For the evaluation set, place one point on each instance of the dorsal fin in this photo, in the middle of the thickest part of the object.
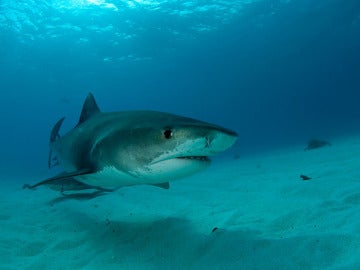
(89, 109)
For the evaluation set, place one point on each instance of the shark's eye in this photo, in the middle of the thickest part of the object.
(168, 133)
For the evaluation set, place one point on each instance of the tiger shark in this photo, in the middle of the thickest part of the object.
(105, 151)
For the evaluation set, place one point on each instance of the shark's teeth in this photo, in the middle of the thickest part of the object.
(202, 158)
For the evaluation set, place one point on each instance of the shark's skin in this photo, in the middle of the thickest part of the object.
(116, 149)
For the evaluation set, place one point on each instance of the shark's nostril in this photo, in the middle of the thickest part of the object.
(207, 142)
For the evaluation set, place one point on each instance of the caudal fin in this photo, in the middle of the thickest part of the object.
(54, 135)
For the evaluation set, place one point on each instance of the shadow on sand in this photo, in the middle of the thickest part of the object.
(173, 243)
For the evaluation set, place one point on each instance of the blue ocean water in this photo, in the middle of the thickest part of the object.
(279, 72)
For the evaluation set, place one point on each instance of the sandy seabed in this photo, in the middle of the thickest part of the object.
(254, 212)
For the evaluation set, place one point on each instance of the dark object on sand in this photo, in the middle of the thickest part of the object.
(305, 177)
(313, 144)
(214, 229)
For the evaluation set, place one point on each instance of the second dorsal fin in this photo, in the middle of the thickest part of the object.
(89, 109)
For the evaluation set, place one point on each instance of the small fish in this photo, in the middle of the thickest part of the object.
(313, 144)
(305, 177)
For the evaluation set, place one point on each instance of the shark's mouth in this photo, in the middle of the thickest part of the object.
(199, 158)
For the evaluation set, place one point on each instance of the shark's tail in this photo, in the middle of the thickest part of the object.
(54, 135)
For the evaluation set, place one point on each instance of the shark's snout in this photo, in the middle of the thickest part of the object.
(220, 140)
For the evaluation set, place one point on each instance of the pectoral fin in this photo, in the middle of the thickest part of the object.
(58, 178)
(165, 185)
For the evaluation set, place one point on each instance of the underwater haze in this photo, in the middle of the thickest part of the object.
(278, 72)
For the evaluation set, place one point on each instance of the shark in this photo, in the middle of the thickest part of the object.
(109, 150)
